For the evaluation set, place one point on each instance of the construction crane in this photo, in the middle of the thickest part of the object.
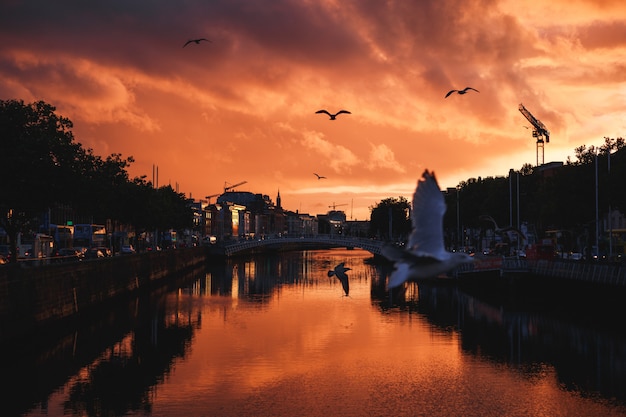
(232, 187)
(209, 197)
(336, 205)
(539, 131)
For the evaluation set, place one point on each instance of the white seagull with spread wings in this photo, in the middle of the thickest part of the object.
(425, 256)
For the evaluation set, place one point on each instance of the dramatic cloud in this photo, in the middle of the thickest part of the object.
(242, 107)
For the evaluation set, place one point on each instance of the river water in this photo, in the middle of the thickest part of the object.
(276, 336)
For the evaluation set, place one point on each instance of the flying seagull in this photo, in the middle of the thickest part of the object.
(319, 177)
(340, 272)
(500, 230)
(425, 256)
(333, 116)
(196, 41)
(463, 91)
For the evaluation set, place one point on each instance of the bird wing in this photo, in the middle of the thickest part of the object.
(514, 230)
(342, 111)
(429, 206)
(470, 88)
(450, 92)
(346, 285)
(187, 43)
(399, 255)
(203, 39)
(323, 111)
(486, 218)
(340, 273)
(341, 276)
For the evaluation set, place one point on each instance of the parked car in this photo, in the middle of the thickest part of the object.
(106, 252)
(69, 254)
(95, 253)
(127, 249)
(5, 252)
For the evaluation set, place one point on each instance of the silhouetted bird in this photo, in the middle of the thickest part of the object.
(425, 256)
(340, 272)
(333, 116)
(499, 230)
(196, 41)
(319, 177)
(463, 91)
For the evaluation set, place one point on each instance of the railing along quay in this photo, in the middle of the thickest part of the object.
(591, 272)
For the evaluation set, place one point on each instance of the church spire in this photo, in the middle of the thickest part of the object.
(278, 200)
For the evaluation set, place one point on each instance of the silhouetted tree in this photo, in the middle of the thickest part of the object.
(394, 212)
(42, 165)
(38, 156)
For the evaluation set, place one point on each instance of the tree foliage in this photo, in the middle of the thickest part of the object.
(42, 166)
(556, 198)
(391, 215)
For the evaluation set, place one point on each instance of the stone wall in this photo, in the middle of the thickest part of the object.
(32, 297)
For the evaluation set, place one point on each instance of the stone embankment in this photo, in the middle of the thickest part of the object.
(33, 297)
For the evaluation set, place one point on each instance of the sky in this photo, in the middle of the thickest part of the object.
(241, 106)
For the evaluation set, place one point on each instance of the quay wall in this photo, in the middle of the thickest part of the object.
(591, 273)
(33, 297)
(604, 274)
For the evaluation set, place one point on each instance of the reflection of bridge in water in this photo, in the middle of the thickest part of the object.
(302, 243)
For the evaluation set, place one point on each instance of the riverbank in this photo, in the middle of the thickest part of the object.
(35, 297)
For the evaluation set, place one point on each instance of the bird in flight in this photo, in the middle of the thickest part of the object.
(319, 177)
(340, 272)
(333, 116)
(463, 91)
(500, 230)
(196, 41)
(425, 256)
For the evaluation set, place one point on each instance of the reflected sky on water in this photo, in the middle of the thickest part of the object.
(274, 335)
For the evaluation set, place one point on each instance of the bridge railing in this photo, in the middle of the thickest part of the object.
(370, 245)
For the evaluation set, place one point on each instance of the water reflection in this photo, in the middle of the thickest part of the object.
(271, 335)
(587, 357)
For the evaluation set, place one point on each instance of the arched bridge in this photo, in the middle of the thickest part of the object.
(302, 243)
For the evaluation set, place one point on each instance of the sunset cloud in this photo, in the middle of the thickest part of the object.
(337, 157)
(242, 107)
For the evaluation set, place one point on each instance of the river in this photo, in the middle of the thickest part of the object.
(276, 336)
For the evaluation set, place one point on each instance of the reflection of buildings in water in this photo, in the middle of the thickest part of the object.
(111, 361)
(257, 278)
(588, 356)
(124, 377)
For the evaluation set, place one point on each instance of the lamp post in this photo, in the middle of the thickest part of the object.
(608, 191)
(597, 221)
(458, 220)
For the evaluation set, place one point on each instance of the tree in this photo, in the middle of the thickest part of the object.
(44, 166)
(37, 159)
(391, 213)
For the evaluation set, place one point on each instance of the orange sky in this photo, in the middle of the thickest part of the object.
(242, 108)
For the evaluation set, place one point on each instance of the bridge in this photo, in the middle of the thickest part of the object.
(301, 243)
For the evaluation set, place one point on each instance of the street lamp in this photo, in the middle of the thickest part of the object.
(458, 219)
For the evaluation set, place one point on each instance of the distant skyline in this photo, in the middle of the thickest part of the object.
(242, 106)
